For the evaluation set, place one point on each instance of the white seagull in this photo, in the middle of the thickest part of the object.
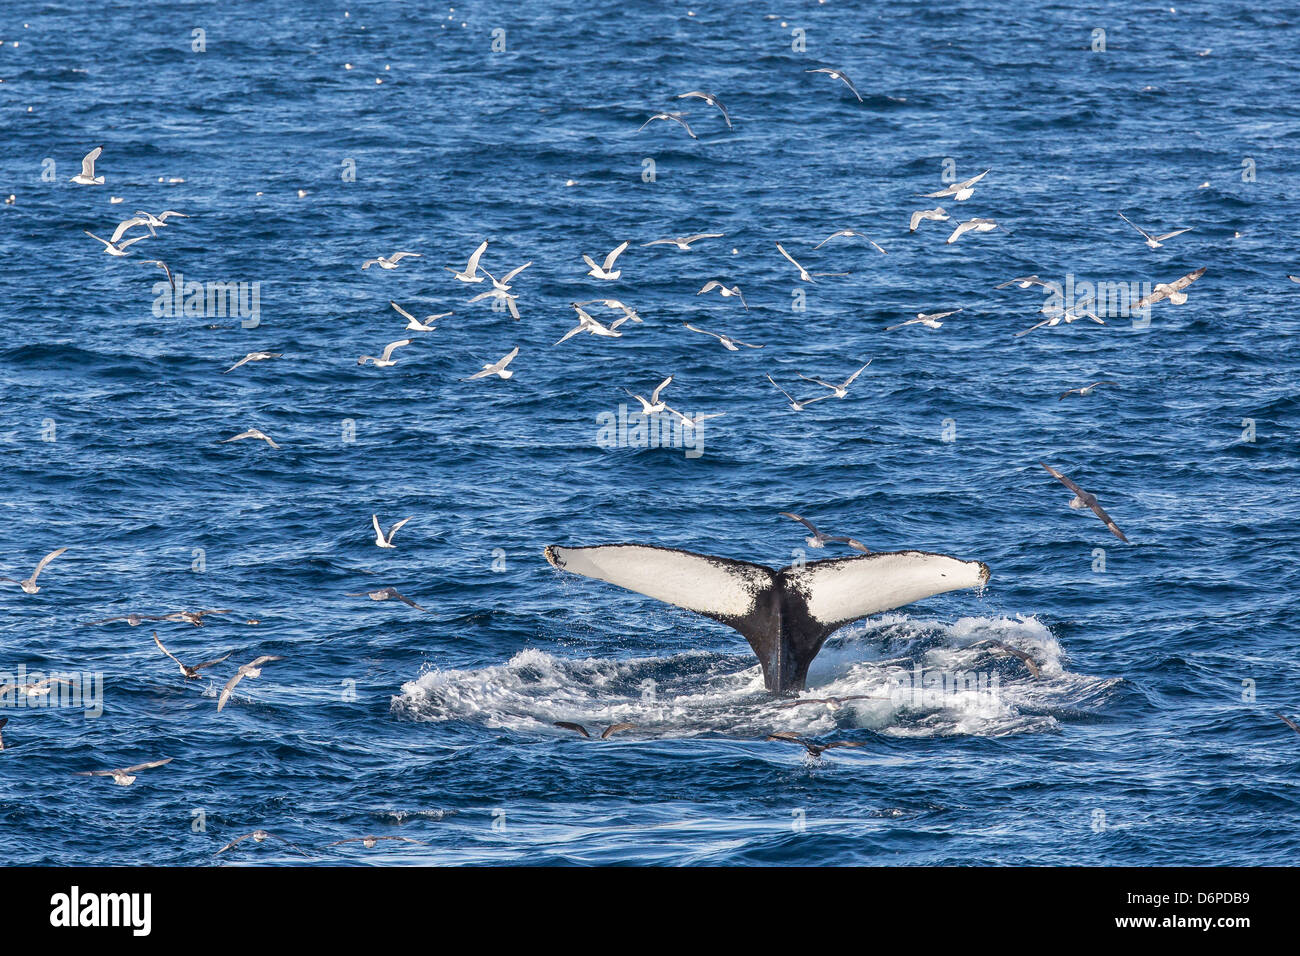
(1057, 317)
(470, 273)
(253, 357)
(837, 75)
(115, 248)
(804, 274)
(389, 262)
(675, 117)
(124, 776)
(839, 391)
(727, 341)
(958, 191)
(938, 214)
(684, 242)
(496, 368)
(251, 669)
(385, 360)
(1023, 282)
(1154, 242)
(603, 271)
(654, 405)
(848, 234)
(415, 325)
(930, 320)
(588, 324)
(251, 433)
(977, 225)
(711, 100)
(1085, 391)
(499, 295)
(29, 585)
(87, 175)
(386, 540)
(798, 406)
(725, 291)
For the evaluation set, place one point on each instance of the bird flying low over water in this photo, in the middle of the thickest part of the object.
(124, 776)
(1023, 282)
(470, 272)
(370, 842)
(1173, 291)
(653, 406)
(838, 75)
(804, 274)
(29, 585)
(1084, 499)
(725, 291)
(497, 368)
(971, 225)
(87, 175)
(840, 390)
(959, 191)
(604, 735)
(814, 749)
(929, 319)
(253, 357)
(673, 117)
(251, 433)
(818, 540)
(115, 248)
(385, 360)
(603, 271)
(251, 669)
(684, 242)
(385, 594)
(386, 540)
(416, 325)
(257, 836)
(848, 234)
(389, 262)
(190, 672)
(937, 214)
(711, 100)
(728, 343)
(1154, 242)
(786, 615)
(797, 405)
(1086, 390)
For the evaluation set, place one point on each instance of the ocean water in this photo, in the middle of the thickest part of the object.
(1149, 735)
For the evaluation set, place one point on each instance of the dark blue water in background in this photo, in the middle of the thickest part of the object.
(1150, 737)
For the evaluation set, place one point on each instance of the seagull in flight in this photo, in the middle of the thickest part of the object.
(839, 391)
(470, 273)
(135, 620)
(1084, 499)
(39, 688)
(689, 422)
(389, 262)
(814, 749)
(191, 673)
(654, 405)
(251, 669)
(684, 242)
(87, 175)
(386, 359)
(415, 325)
(251, 433)
(724, 291)
(124, 776)
(1023, 282)
(603, 271)
(1085, 391)
(370, 842)
(604, 735)
(161, 265)
(804, 274)
(115, 248)
(930, 320)
(588, 324)
(500, 295)
(675, 117)
(385, 594)
(798, 406)
(959, 191)
(497, 368)
(386, 540)
(629, 314)
(128, 224)
(848, 234)
(818, 540)
(1173, 291)
(711, 100)
(253, 357)
(29, 585)
(837, 75)
(1056, 318)
(937, 214)
(971, 225)
(257, 836)
(503, 284)
(1154, 242)
(727, 341)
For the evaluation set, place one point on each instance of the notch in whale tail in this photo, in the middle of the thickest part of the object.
(785, 615)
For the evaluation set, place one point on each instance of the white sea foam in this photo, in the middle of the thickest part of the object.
(978, 689)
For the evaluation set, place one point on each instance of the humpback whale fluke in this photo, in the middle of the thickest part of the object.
(785, 615)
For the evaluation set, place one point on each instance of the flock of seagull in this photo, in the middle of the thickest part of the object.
(142, 225)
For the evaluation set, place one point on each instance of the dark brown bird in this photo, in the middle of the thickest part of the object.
(385, 594)
(193, 617)
(815, 749)
(605, 734)
(1286, 720)
(837, 701)
(3, 721)
(190, 673)
(1084, 499)
(1017, 652)
(818, 540)
(135, 620)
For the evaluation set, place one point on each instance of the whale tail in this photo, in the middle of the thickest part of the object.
(785, 615)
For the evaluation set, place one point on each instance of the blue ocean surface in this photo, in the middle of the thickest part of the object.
(301, 139)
